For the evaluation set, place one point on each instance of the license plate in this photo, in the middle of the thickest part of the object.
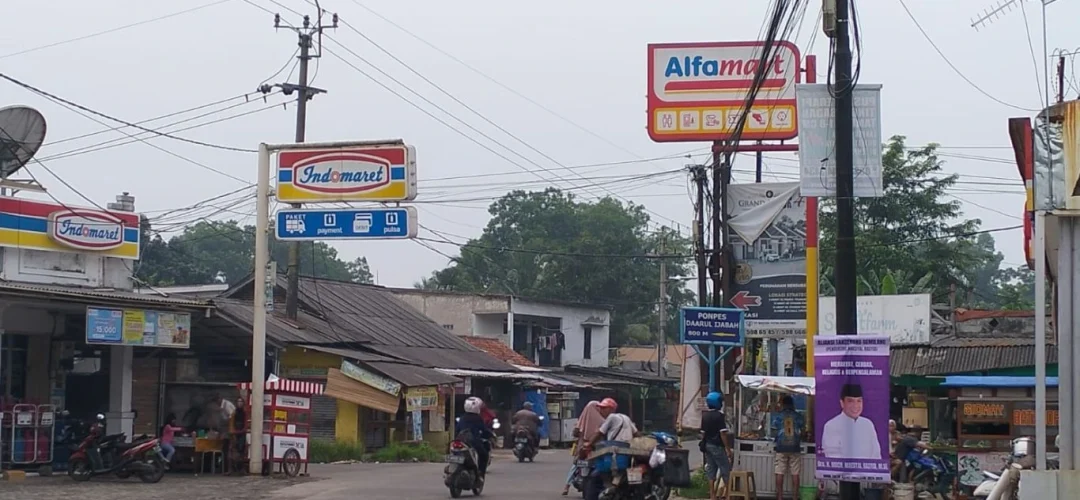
(521, 440)
(455, 459)
(633, 476)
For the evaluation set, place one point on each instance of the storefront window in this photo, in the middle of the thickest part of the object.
(14, 365)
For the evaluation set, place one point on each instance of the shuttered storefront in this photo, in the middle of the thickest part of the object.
(323, 416)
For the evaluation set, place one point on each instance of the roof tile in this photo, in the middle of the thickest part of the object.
(499, 350)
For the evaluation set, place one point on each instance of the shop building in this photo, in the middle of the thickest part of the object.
(547, 332)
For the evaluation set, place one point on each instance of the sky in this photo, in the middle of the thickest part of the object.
(558, 89)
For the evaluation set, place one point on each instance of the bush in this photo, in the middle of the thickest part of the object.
(699, 486)
(401, 452)
(325, 451)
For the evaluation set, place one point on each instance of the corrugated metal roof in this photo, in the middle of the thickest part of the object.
(411, 375)
(350, 353)
(936, 360)
(77, 292)
(617, 373)
(306, 330)
(490, 374)
(444, 357)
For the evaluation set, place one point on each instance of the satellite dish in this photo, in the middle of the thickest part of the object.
(22, 131)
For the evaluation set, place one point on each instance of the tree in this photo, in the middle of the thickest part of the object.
(208, 250)
(548, 245)
(911, 233)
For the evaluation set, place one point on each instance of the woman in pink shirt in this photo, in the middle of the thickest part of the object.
(168, 432)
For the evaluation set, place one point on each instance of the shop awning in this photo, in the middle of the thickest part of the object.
(486, 374)
(412, 375)
(285, 385)
(994, 381)
(344, 388)
(786, 385)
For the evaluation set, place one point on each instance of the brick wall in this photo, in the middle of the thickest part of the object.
(145, 388)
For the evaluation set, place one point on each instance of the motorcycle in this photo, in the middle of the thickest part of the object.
(523, 444)
(462, 470)
(99, 454)
(931, 474)
(636, 476)
(1007, 482)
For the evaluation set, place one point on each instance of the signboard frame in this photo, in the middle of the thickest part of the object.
(815, 175)
(137, 327)
(340, 216)
(736, 338)
(380, 171)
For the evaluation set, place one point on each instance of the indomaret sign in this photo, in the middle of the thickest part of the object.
(697, 91)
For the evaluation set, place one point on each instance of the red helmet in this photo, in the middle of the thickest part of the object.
(609, 404)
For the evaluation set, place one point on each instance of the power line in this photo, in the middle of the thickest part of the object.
(118, 120)
(113, 30)
(953, 66)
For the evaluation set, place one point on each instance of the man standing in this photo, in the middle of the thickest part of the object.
(715, 446)
(788, 427)
(849, 434)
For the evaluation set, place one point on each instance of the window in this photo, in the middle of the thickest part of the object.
(588, 343)
(448, 327)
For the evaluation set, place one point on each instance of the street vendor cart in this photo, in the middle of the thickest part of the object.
(757, 398)
(286, 425)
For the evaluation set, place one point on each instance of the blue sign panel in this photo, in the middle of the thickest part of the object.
(712, 325)
(104, 326)
(346, 224)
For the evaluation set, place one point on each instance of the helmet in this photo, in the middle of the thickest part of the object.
(473, 405)
(609, 404)
(714, 400)
(528, 405)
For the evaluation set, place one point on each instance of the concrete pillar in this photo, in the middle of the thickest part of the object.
(119, 418)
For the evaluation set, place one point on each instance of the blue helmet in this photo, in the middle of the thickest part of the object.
(714, 400)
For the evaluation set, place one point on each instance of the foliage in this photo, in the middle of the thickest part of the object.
(548, 245)
(324, 451)
(1014, 290)
(699, 486)
(223, 251)
(405, 452)
(912, 239)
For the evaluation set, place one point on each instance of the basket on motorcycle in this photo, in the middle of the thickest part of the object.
(612, 456)
(677, 467)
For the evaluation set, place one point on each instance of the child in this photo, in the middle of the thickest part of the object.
(168, 432)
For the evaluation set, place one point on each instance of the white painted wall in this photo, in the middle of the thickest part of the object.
(458, 310)
(62, 268)
(572, 318)
(490, 325)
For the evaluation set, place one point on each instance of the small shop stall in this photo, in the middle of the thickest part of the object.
(759, 396)
(286, 423)
(990, 412)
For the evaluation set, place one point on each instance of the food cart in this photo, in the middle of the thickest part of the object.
(286, 423)
(756, 398)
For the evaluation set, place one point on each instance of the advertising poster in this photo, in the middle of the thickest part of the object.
(851, 409)
(137, 327)
(421, 398)
(768, 240)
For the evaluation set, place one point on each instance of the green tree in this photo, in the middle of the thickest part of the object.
(210, 251)
(913, 233)
(1012, 288)
(548, 245)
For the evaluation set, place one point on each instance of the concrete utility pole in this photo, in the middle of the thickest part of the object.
(661, 340)
(846, 292)
(308, 35)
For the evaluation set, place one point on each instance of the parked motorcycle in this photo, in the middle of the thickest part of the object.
(931, 474)
(1007, 482)
(99, 454)
(524, 449)
(462, 470)
(639, 476)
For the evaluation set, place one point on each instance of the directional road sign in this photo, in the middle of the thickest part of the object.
(712, 325)
(347, 224)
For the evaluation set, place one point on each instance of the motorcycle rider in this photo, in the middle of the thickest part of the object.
(909, 442)
(527, 419)
(472, 421)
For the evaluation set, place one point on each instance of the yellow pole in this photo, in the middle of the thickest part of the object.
(811, 281)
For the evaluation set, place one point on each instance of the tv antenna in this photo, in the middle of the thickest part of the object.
(1003, 7)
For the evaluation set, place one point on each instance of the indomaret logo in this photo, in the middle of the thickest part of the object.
(86, 230)
(341, 173)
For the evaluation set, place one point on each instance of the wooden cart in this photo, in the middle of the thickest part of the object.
(286, 425)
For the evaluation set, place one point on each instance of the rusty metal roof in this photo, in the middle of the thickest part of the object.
(945, 360)
(307, 329)
(86, 294)
(411, 375)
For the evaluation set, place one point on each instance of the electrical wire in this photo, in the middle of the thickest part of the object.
(112, 30)
(118, 120)
(953, 66)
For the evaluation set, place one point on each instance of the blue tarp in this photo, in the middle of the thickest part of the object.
(994, 381)
(539, 401)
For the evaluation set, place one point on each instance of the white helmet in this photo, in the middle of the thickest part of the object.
(473, 405)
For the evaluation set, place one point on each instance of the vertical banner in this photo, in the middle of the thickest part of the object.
(769, 222)
(851, 408)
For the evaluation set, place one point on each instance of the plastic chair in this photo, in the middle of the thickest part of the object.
(742, 485)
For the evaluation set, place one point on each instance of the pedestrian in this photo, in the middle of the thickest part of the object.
(168, 435)
(236, 443)
(714, 444)
(587, 425)
(788, 426)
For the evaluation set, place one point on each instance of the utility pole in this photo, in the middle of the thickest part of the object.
(846, 294)
(309, 36)
(661, 340)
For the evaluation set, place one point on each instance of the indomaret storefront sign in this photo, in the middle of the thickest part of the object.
(51, 227)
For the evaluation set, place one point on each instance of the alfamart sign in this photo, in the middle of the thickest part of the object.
(51, 227)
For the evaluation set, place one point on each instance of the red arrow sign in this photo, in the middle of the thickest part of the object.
(743, 300)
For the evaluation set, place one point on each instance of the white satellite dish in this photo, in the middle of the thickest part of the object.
(22, 131)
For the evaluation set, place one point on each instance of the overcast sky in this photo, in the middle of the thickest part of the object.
(585, 61)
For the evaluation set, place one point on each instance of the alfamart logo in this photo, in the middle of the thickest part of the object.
(86, 230)
(341, 173)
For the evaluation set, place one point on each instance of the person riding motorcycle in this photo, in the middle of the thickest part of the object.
(528, 420)
(481, 438)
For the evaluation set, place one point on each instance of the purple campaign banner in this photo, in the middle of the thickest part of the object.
(851, 408)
